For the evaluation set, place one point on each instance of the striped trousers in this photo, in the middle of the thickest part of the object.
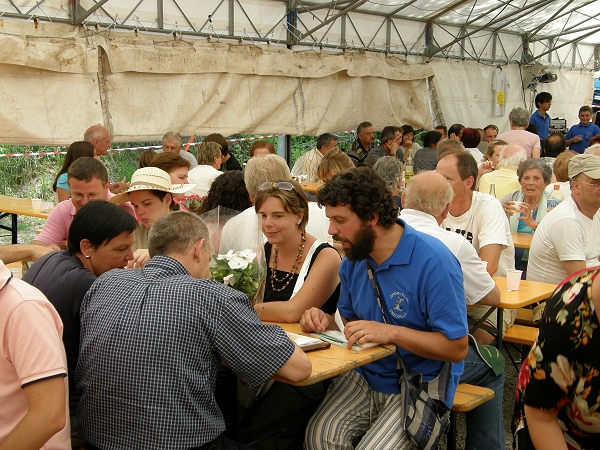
(352, 415)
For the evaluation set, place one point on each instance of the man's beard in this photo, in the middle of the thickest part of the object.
(363, 244)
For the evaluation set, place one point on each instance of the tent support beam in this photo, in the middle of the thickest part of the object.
(78, 19)
(345, 11)
(499, 19)
(572, 41)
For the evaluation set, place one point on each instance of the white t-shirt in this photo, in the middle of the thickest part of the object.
(203, 177)
(565, 234)
(483, 224)
(243, 228)
(478, 283)
(476, 154)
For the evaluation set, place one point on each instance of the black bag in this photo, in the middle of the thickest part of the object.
(426, 417)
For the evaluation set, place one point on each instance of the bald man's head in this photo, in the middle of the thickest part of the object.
(100, 137)
(428, 192)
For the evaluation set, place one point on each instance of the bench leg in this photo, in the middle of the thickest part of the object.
(451, 437)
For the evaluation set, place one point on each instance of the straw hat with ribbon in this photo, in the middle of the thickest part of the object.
(151, 179)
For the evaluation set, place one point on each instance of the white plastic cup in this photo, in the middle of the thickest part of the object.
(17, 273)
(513, 279)
(46, 207)
(36, 204)
(517, 207)
(484, 263)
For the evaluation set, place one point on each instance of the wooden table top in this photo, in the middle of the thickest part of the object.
(22, 206)
(529, 292)
(311, 188)
(333, 361)
(522, 240)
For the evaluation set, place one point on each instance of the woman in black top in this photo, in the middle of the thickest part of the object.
(302, 272)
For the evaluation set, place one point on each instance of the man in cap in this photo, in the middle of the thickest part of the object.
(568, 239)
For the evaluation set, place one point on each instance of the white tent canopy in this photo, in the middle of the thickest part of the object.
(142, 67)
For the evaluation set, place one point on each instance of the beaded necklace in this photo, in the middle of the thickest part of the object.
(290, 275)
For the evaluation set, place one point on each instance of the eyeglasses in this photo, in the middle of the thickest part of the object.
(283, 185)
(91, 197)
(596, 184)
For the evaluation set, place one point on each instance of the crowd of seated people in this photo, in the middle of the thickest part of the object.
(121, 282)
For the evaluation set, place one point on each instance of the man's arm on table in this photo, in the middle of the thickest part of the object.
(45, 415)
(298, 367)
(18, 252)
(491, 254)
(427, 344)
(492, 298)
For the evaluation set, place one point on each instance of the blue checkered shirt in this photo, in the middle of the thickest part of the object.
(152, 341)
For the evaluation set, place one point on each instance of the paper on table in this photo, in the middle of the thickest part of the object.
(337, 338)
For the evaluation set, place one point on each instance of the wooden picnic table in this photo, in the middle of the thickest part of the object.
(14, 206)
(522, 240)
(335, 360)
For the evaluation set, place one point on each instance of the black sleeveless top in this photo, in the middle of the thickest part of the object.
(272, 296)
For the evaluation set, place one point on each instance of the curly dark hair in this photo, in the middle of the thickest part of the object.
(364, 191)
(228, 190)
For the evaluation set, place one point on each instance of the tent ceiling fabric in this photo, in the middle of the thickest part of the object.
(53, 88)
(142, 67)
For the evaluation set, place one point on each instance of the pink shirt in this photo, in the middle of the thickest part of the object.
(56, 228)
(525, 139)
(31, 350)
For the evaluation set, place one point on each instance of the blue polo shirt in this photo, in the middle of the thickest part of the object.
(586, 131)
(422, 287)
(542, 124)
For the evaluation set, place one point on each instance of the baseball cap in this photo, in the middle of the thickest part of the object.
(587, 164)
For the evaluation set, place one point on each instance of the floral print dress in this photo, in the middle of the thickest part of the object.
(562, 370)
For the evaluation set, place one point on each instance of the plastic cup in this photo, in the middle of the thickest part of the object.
(17, 273)
(484, 263)
(513, 280)
(36, 204)
(46, 207)
(517, 206)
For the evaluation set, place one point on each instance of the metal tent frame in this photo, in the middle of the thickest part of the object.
(559, 33)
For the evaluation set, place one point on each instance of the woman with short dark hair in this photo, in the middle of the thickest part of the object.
(100, 239)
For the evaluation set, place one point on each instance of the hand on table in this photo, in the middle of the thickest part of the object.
(140, 257)
(314, 321)
(363, 331)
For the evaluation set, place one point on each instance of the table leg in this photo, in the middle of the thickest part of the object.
(500, 327)
(15, 229)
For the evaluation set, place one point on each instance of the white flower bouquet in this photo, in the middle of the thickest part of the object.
(239, 261)
(239, 270)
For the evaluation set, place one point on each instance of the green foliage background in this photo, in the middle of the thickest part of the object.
(33, 176)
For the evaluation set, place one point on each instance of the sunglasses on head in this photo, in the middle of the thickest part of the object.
(283, 185)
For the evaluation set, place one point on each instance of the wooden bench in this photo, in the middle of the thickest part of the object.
(467, 398)
(521, 334)
(525, 317)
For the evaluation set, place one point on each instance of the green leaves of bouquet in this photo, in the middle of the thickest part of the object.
(237, 269)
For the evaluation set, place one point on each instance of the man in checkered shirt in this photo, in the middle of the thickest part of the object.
(153, 339)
